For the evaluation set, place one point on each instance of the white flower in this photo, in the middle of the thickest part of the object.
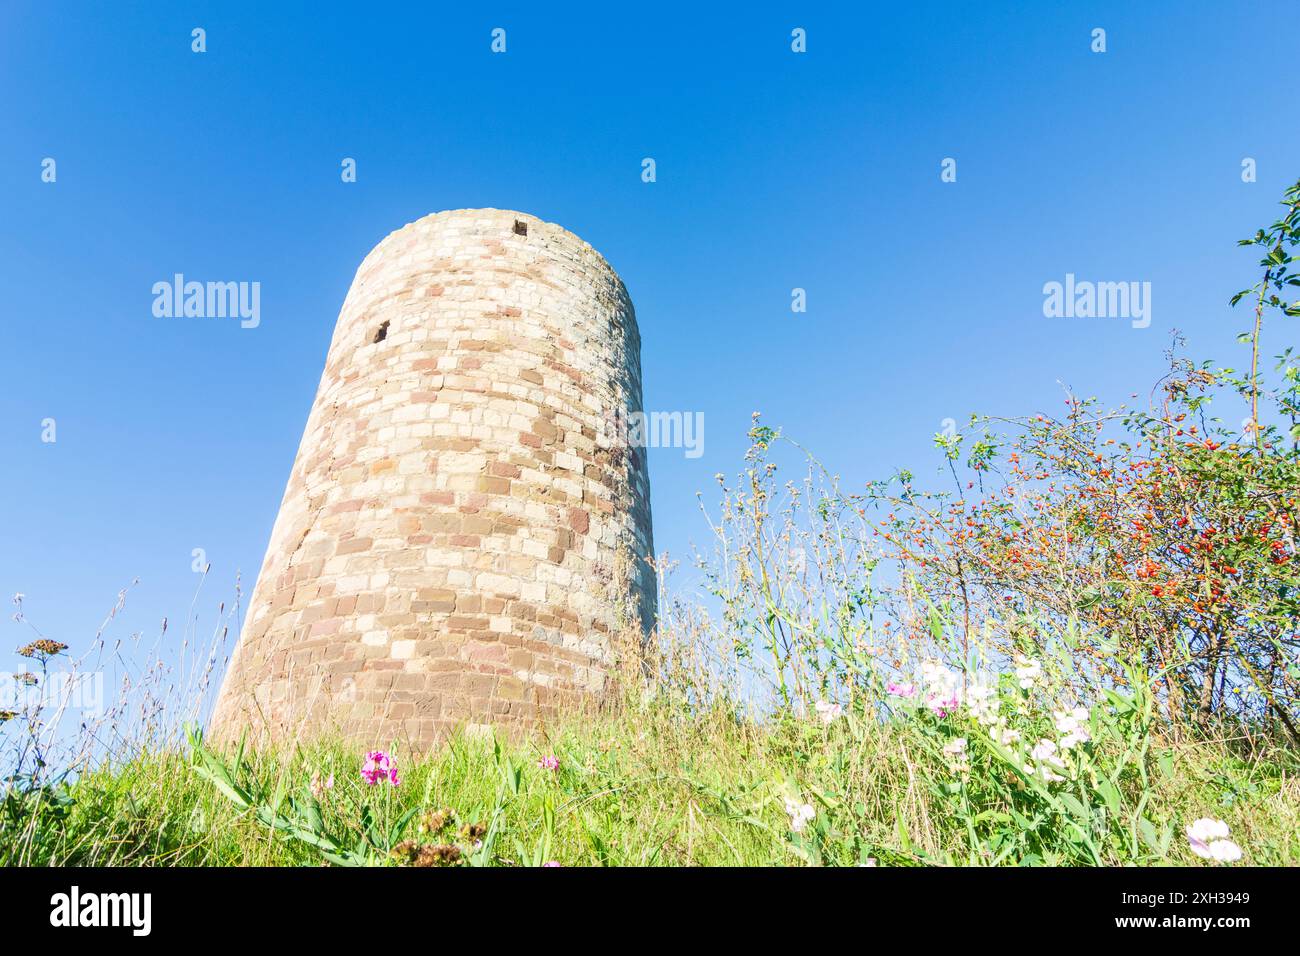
(1208, 839)
(1042, 770)
(1225, 851)
(942, 687)
(827, 711)
(1206, 829)
(1044, 750)
(1045, 753)
(800, 814)
(982, 702)
(1027, 671)
(1004, 735)
(1072, 723)
(18, 598)
(955, 750)
(1045, 772)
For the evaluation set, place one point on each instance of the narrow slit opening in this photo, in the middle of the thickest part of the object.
(381, 333)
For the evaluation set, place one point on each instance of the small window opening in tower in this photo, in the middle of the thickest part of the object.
(381, 333)
(521, 228)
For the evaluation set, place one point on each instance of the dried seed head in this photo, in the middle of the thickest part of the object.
(42, 648)
(405, 852)
(434, 821)
(443, 854)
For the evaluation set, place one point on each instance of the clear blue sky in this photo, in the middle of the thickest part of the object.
(775, 170)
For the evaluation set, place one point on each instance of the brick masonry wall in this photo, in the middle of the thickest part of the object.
(451, 544)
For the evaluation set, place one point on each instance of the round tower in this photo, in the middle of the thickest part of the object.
(463, 533)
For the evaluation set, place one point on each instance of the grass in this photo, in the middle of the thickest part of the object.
(645, 787)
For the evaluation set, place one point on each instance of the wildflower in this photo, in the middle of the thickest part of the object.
(871, 861)
(1209, 839)
(549, 763)
(1048, 762)
(319, 786)
(955, 751)
(1045, 750)
(18, 598)
(982, 702)
(942, 694)
(42, 649)
(378, 765)
(900, 690)
(1225, 851)
(550, 863)
(7, 715)
(1047, 773)
(27, 679)
(1073, 725)
(800, 814)
(473, 832)
(1027, 671)
(943, 706)
(828, 712)
(1004, 735)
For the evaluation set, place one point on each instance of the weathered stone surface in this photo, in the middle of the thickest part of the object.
(450, 541)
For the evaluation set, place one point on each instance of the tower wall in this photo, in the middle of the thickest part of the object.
(462, 533)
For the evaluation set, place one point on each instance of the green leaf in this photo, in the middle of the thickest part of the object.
(1149, 835)
(1075, 806)
(1166, 764)
(1110, 794)
(395, 833)
(311, 810)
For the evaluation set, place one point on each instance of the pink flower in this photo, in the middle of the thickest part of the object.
(550, 863)
(900, 690)
(942, 707)
(549, 763)
(378, 765)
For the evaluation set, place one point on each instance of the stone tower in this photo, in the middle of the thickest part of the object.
(463, 533)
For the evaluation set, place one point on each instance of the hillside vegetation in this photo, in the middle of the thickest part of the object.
(1081, 647)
